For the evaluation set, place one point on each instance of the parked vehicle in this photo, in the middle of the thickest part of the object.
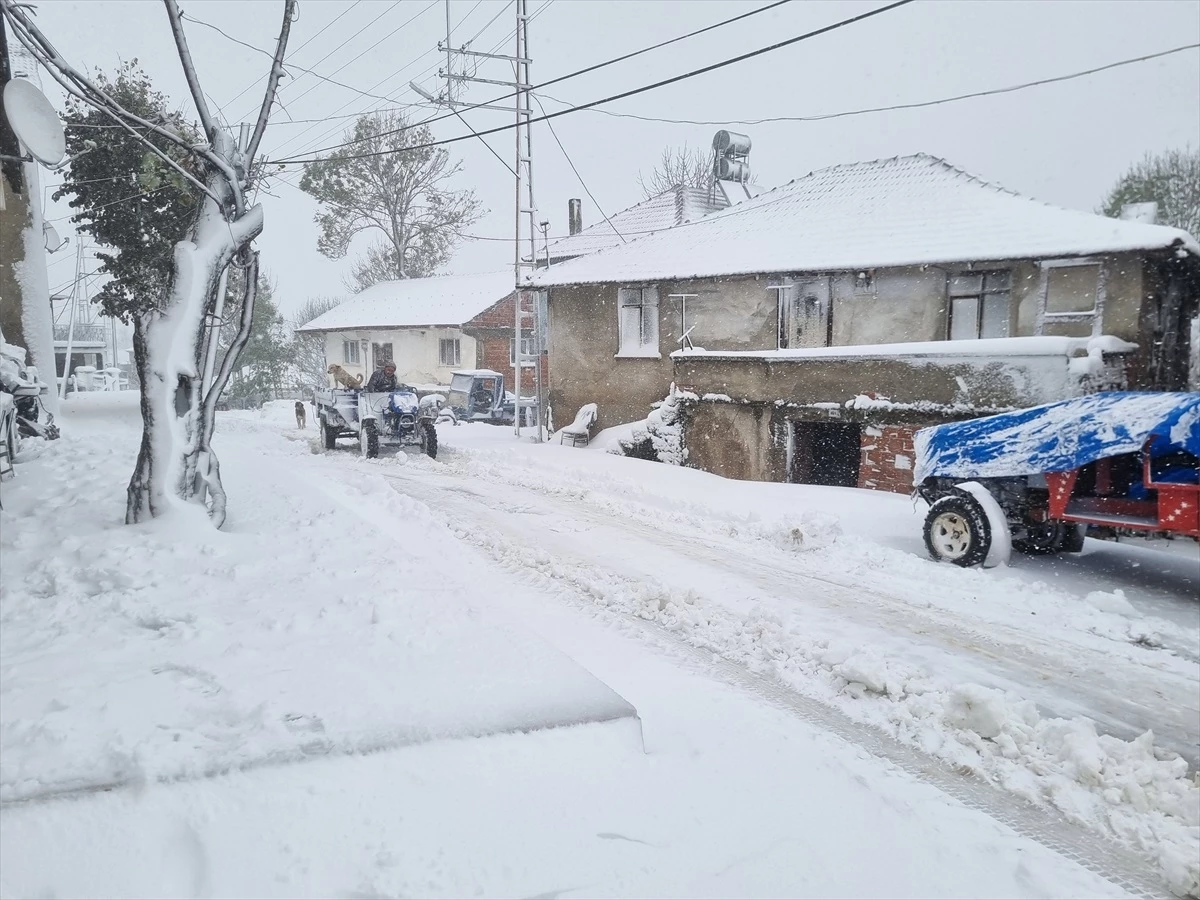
(396, 419)
(478, 395)
(1117, 463)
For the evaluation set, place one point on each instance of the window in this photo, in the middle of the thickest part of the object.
(1072, 289)
(979, 304)
(381, 353)
(528, 348)
(350, 353)
(803, 313)
(449, 351)
(638, 322)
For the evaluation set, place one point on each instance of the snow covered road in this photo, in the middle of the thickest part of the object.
(1139, 692)
(820, 717)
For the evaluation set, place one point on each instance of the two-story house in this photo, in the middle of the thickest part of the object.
(813, 328)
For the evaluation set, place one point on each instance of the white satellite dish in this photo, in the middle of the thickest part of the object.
(35, 122)
(53, 241)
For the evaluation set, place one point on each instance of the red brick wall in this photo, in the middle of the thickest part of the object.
(492, 353)
(492, 348)
(887, 458)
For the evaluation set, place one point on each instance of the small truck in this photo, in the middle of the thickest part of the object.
(393, 419)
(1115, 463)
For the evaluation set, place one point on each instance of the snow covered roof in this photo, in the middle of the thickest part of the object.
(908, 210)
(670, 208)
(416, 302)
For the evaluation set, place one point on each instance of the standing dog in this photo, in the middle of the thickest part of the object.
(342, 377)
(299, 413)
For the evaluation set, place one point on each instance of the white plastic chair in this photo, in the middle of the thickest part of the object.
(577, 431)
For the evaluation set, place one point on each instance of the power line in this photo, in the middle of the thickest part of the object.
(402, 25)
(407, 65)
(639, 90)
(570, 163)
(618, 59)
(898, 106)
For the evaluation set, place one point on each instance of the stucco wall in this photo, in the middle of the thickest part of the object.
(901, 305)
(414, 350)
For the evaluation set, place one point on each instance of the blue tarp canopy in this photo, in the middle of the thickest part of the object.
(1059, 436)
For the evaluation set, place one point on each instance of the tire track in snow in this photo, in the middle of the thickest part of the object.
(1095, 853)
(1064, 682)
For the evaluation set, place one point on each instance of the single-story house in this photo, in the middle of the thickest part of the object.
(812, 329)
(492, 329)
(417, 322)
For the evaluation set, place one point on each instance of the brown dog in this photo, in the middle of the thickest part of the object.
(299, 414)
(342, 377)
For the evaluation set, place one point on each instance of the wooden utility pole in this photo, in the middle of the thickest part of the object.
(14, 211)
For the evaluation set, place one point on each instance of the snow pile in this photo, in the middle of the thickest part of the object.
(661, 431)
(1113, 602)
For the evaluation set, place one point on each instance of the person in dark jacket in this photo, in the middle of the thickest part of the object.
(383, 380)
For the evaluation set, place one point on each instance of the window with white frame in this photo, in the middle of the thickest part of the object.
(528, 349)
(979, 305)
(449, 350)
(638, 321)
(350, 355)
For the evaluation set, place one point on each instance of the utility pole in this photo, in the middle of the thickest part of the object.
(525, 208)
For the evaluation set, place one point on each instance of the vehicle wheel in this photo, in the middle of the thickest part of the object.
(1072, 541)
(329, 433)
(957, 531)
(429, 439)
(369, 438)
(1041, 538)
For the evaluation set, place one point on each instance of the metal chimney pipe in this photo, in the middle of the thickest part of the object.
(574, 216)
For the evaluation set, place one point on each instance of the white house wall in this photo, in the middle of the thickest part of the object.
(416, 352)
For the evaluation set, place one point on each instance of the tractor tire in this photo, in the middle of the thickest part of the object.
(429, 439)
(329, 433)
(370, 439)
(957, 530)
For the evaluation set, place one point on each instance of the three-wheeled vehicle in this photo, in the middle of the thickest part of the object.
(396, 419)
(1114, 463)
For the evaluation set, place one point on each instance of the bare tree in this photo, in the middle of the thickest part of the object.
(309, 349)
(677, 166)
(176, 464)
(386, 182)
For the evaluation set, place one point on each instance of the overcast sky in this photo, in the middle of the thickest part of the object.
(1064, 143)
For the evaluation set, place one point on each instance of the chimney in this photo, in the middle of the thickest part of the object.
(574, 216)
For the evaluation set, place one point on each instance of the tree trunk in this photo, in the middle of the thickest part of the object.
(175, 462)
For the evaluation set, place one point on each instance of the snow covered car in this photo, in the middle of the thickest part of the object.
(1120, 462)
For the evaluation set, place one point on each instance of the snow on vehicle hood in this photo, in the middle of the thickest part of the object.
(1059, 436)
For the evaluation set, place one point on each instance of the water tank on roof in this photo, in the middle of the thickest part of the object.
(732, 170)
(730, 143)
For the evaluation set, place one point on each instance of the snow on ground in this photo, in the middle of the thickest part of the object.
(330, 614)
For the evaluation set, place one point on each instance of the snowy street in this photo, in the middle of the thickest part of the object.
(322, 699)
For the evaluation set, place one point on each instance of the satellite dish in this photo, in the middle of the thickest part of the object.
(53, 241)
(35, 122)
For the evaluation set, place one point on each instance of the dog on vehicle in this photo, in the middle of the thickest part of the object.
(342, 377)
(299, 413)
